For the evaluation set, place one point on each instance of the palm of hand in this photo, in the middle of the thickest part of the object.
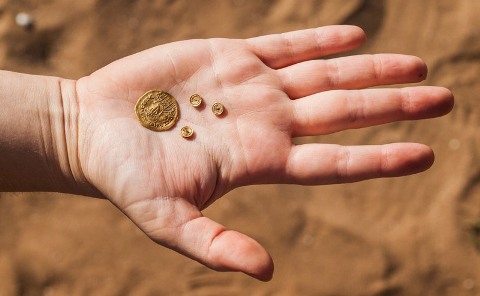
(162, 181)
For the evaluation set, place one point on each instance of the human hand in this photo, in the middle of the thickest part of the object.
(272, 91)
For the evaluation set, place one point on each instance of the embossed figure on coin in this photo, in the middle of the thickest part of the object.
(217, 108)
(195, 100)
(186, 132)
(157, 110)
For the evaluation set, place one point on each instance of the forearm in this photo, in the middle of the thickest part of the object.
(38, 135)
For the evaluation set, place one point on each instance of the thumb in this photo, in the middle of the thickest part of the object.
(224, 250)
(188, 232)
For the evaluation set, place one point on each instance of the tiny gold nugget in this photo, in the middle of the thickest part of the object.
(217, 108)
(196, 100)
(157, 110)
(186, 132)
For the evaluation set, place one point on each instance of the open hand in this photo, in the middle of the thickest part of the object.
(272, 90)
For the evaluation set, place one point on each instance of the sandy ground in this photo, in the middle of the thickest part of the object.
(417, 235)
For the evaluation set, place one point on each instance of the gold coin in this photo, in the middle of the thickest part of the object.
(195, 100)
(186, 132)
(157, 110)
(217, 108)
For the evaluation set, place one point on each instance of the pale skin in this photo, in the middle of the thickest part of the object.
(83, 137)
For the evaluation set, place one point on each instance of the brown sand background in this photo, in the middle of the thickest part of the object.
(417, 235)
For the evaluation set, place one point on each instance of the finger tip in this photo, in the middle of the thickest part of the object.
(264, 268)
(358, 34)
(256, 262)
(420, 68)
(412, 68)
(349, 36)
(409, 158)
(431, 101)
(355, 29)
(426, 157)
(443, 101)
(238, 252)
(420, 158)
(447, 100)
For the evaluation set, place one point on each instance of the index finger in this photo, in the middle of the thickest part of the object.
(285, 49)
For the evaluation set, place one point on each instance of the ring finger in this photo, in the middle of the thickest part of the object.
(333, 111)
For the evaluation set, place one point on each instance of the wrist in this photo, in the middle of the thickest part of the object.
(66, 137)
(38, 135)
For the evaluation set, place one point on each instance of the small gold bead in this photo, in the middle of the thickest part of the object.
(186, 132)
(196, 100)
(217, 108)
